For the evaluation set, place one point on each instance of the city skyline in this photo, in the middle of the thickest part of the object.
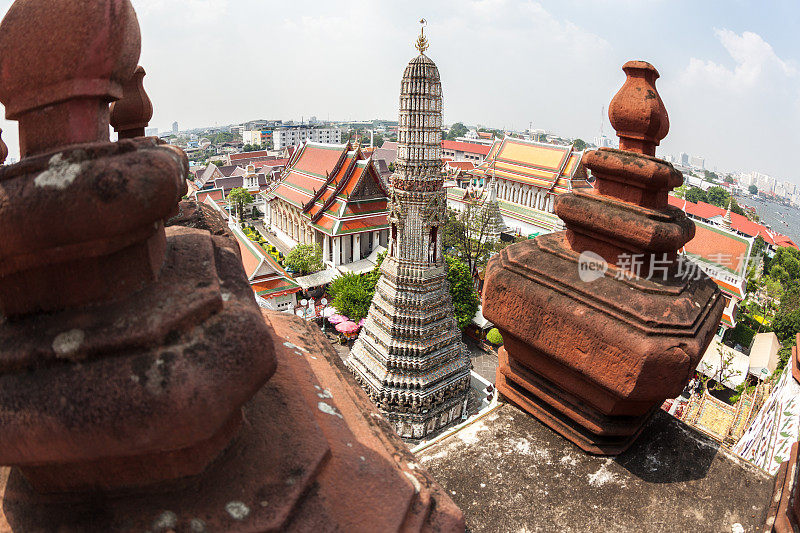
(728, 70)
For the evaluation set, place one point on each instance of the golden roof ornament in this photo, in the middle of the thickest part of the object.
(422, 42)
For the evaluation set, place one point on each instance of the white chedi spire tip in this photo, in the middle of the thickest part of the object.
(422, 41)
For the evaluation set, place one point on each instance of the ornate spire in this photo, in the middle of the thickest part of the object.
(726, 221)
(422, 41)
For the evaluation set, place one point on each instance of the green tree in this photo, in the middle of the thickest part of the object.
(494, 336)
(718, 196)
(466, 236)
(462, 291)
(238, 199)
(695, 195)
(218, 163)
(457, 130)
(786, 323)
(759, 245)
(352, 295)
(680, 192)
(305, 259)
(711, 176)
(753, 189)
(579, 145)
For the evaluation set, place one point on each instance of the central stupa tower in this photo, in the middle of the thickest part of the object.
(409, 357)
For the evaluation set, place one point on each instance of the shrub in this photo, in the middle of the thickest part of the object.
(494, 336)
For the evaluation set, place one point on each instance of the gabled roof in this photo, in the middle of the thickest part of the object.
(553, 167)
(336, 187)
(216, 194)
(268, 279)
(460, 146)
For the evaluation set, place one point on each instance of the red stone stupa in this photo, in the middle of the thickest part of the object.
(141, 387)
(603, 321)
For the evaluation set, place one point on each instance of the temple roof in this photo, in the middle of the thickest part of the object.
(553, 167)
(337, 188)
(739, 223)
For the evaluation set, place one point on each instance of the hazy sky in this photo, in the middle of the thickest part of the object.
(729, 68)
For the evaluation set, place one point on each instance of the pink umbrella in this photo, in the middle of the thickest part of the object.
(347, 327)
(336, 319)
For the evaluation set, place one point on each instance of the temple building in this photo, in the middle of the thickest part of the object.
(724, 255)
(409, 357)
(529, 176)
(331, 195)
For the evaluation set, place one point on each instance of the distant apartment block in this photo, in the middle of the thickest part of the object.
(698, 162)
(257, 137)
(283, 137)
(151, 132)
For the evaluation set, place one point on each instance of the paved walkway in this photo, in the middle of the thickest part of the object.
(271, 238)
(484, 364)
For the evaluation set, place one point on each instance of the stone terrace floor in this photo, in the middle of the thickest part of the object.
(508, 472)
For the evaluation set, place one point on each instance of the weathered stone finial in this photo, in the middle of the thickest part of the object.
(131, 115)
(60, 93)
(3, 149)
(96, 295)
(637, 112)
(604, 321)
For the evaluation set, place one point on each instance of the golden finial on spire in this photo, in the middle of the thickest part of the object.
(422, 42)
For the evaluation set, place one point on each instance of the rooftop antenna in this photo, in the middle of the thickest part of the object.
(602, 119)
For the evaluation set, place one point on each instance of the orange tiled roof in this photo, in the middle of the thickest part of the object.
(331, 197)
(552, 167)
(720, 247)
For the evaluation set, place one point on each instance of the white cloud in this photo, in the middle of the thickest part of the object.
(740, 114)
(754, 58)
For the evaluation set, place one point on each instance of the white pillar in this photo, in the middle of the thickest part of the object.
(326, 247)
(357, 251)
(337, 251)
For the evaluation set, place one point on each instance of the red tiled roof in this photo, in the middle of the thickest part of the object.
(272, 288)
(317, 159)
(740, 223)
(460, 165)
(472, 148)
(214, 194)
(360, 224)
(249, 155)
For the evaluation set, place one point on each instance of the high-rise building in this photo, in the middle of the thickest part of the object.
(698, 162)
(409, 357)
(683, 159)
(175, 129)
